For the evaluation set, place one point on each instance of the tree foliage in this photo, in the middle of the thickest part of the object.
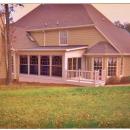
(125, 26)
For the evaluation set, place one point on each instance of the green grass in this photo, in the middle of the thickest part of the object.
(64, 107)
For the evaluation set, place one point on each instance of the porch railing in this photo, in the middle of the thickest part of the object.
(81, 75)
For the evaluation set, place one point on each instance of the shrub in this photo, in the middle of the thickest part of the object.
(125, 79)
(113, 80)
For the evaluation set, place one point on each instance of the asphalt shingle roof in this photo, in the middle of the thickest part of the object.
(67, 15)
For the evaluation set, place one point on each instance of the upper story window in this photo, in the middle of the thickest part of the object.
(63, 37)
(112, 65)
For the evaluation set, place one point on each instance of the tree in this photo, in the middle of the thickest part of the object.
(125, 26)
(7, 9)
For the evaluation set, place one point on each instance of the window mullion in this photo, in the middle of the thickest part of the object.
(28, 59)
(50, 58)
(39, 64)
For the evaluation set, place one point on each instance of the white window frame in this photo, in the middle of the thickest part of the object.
(60, 37)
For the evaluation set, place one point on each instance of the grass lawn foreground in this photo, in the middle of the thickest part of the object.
(64, 107)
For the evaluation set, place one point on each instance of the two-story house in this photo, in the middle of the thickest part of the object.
(68, 43)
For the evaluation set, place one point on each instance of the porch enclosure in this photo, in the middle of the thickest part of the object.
(61, 68)
(79, 71)
(41, 65)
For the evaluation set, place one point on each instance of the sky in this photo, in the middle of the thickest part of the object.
(113, 12)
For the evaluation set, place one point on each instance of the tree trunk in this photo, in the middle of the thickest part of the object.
(8, 45)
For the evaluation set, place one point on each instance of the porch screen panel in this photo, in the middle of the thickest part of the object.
(74, 63)
(98, 65)
(34, 65)
(44, 65)
(23, 64)
(79, 63)
(57, 66)
(112, 64)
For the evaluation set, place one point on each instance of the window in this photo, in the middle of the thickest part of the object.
(74, 63)
(112, 64)
(63, 37)
(44, 65)
(34, 65)
(23, 64)
(98, 65)
(57, 66)
(12, 64)
(121, 69)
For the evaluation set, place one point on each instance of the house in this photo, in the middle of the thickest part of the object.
(68, 43)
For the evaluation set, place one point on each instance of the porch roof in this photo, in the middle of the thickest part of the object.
(54, 48)
(102, 47)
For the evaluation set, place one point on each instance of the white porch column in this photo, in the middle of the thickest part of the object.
(50, 59)
(64, 66)
(14, 65)
(28, 57)
(83, 63)
(39, 64)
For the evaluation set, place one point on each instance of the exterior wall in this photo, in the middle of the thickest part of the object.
(2, 57)
(89, 64)
(84, 36)
(126, 66)
(76, 36)
(52, 38)
(39, 37)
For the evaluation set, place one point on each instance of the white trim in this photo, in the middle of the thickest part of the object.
(44, 29)
(50, 61)
(44, 39)
(28, 58)
(102, 54)
(107, 39)
(78, 48)
(60, 49)
(39, 64)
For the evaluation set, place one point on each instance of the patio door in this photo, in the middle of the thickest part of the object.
(98, 64)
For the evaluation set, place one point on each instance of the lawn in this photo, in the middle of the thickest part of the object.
(64, 107)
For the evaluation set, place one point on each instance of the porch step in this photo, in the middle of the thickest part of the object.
(86, 83)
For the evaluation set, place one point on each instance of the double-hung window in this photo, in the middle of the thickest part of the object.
(63, 37)
(112, 66)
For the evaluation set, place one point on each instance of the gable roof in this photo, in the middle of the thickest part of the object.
(55, 15)
(69, 15)
(102, 47)
(118, 37)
